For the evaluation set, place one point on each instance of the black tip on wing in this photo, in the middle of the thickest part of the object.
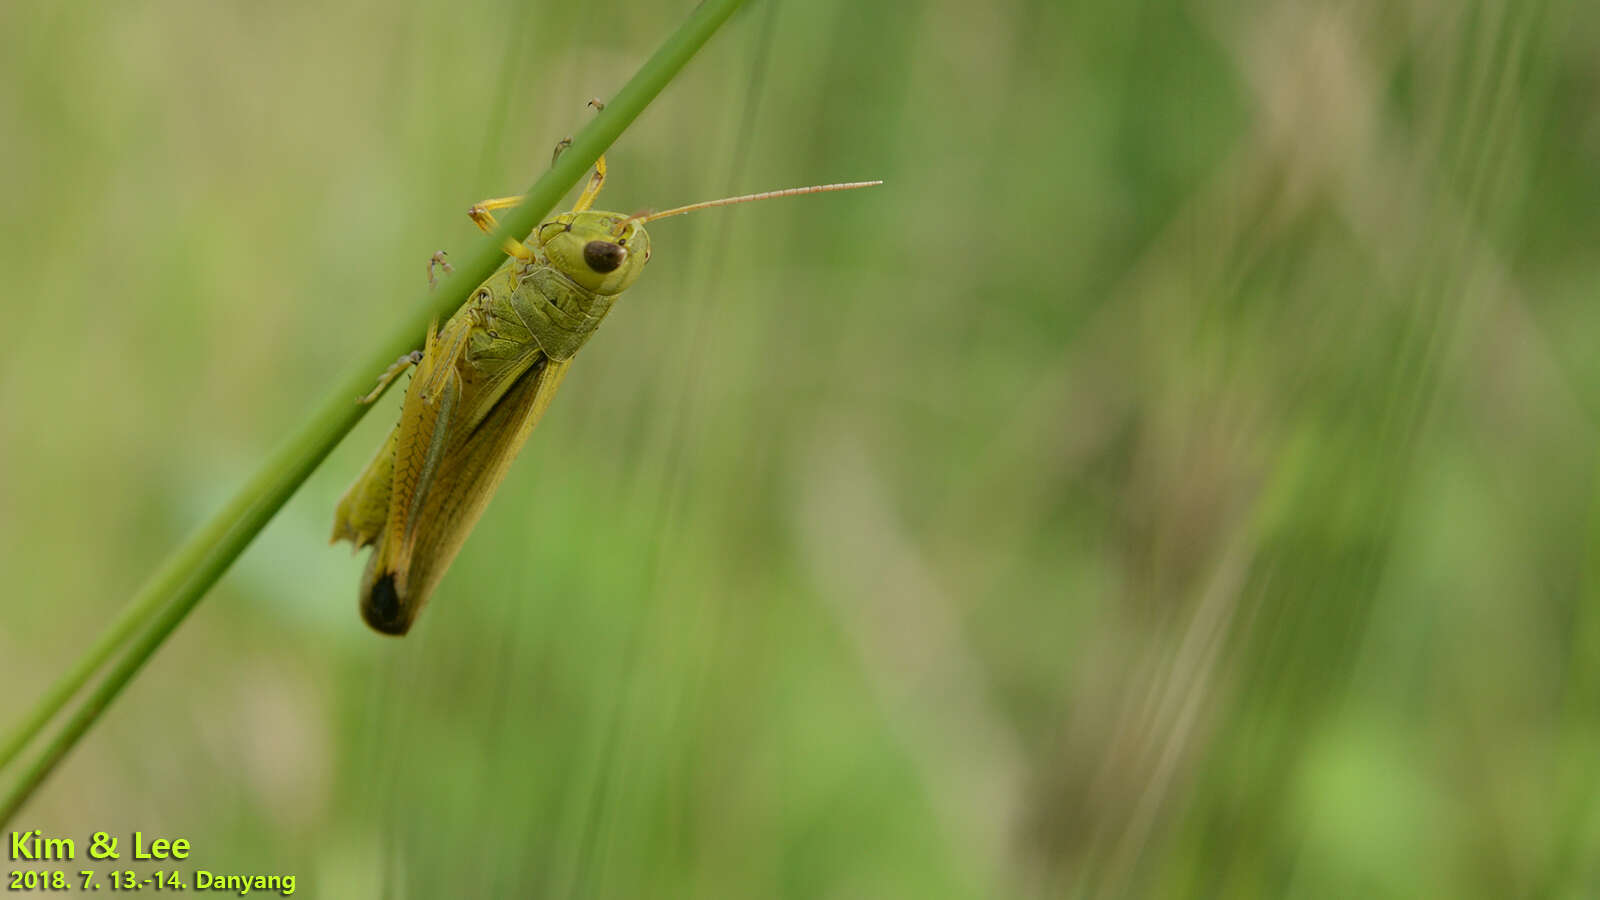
(383, 609)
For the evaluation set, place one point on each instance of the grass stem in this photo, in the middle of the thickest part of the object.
(189, 572)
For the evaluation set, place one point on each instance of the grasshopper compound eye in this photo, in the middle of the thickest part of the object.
(604, 256)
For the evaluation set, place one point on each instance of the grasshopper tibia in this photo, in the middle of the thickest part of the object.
(390, 374)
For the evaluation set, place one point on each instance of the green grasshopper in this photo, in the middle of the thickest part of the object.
(481, 384)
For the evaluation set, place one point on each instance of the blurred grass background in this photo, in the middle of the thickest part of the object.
(1177, 480)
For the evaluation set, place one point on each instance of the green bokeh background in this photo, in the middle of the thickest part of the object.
(1178, 480)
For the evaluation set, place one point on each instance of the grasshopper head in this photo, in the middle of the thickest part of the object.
(602, 251)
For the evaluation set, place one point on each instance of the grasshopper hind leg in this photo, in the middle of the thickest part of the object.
(364, 508)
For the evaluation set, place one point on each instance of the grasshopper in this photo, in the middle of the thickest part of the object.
(481, 384)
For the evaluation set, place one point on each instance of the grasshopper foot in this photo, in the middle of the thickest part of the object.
(438, 260)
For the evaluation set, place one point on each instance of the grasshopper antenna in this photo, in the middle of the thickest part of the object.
(764, 195)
